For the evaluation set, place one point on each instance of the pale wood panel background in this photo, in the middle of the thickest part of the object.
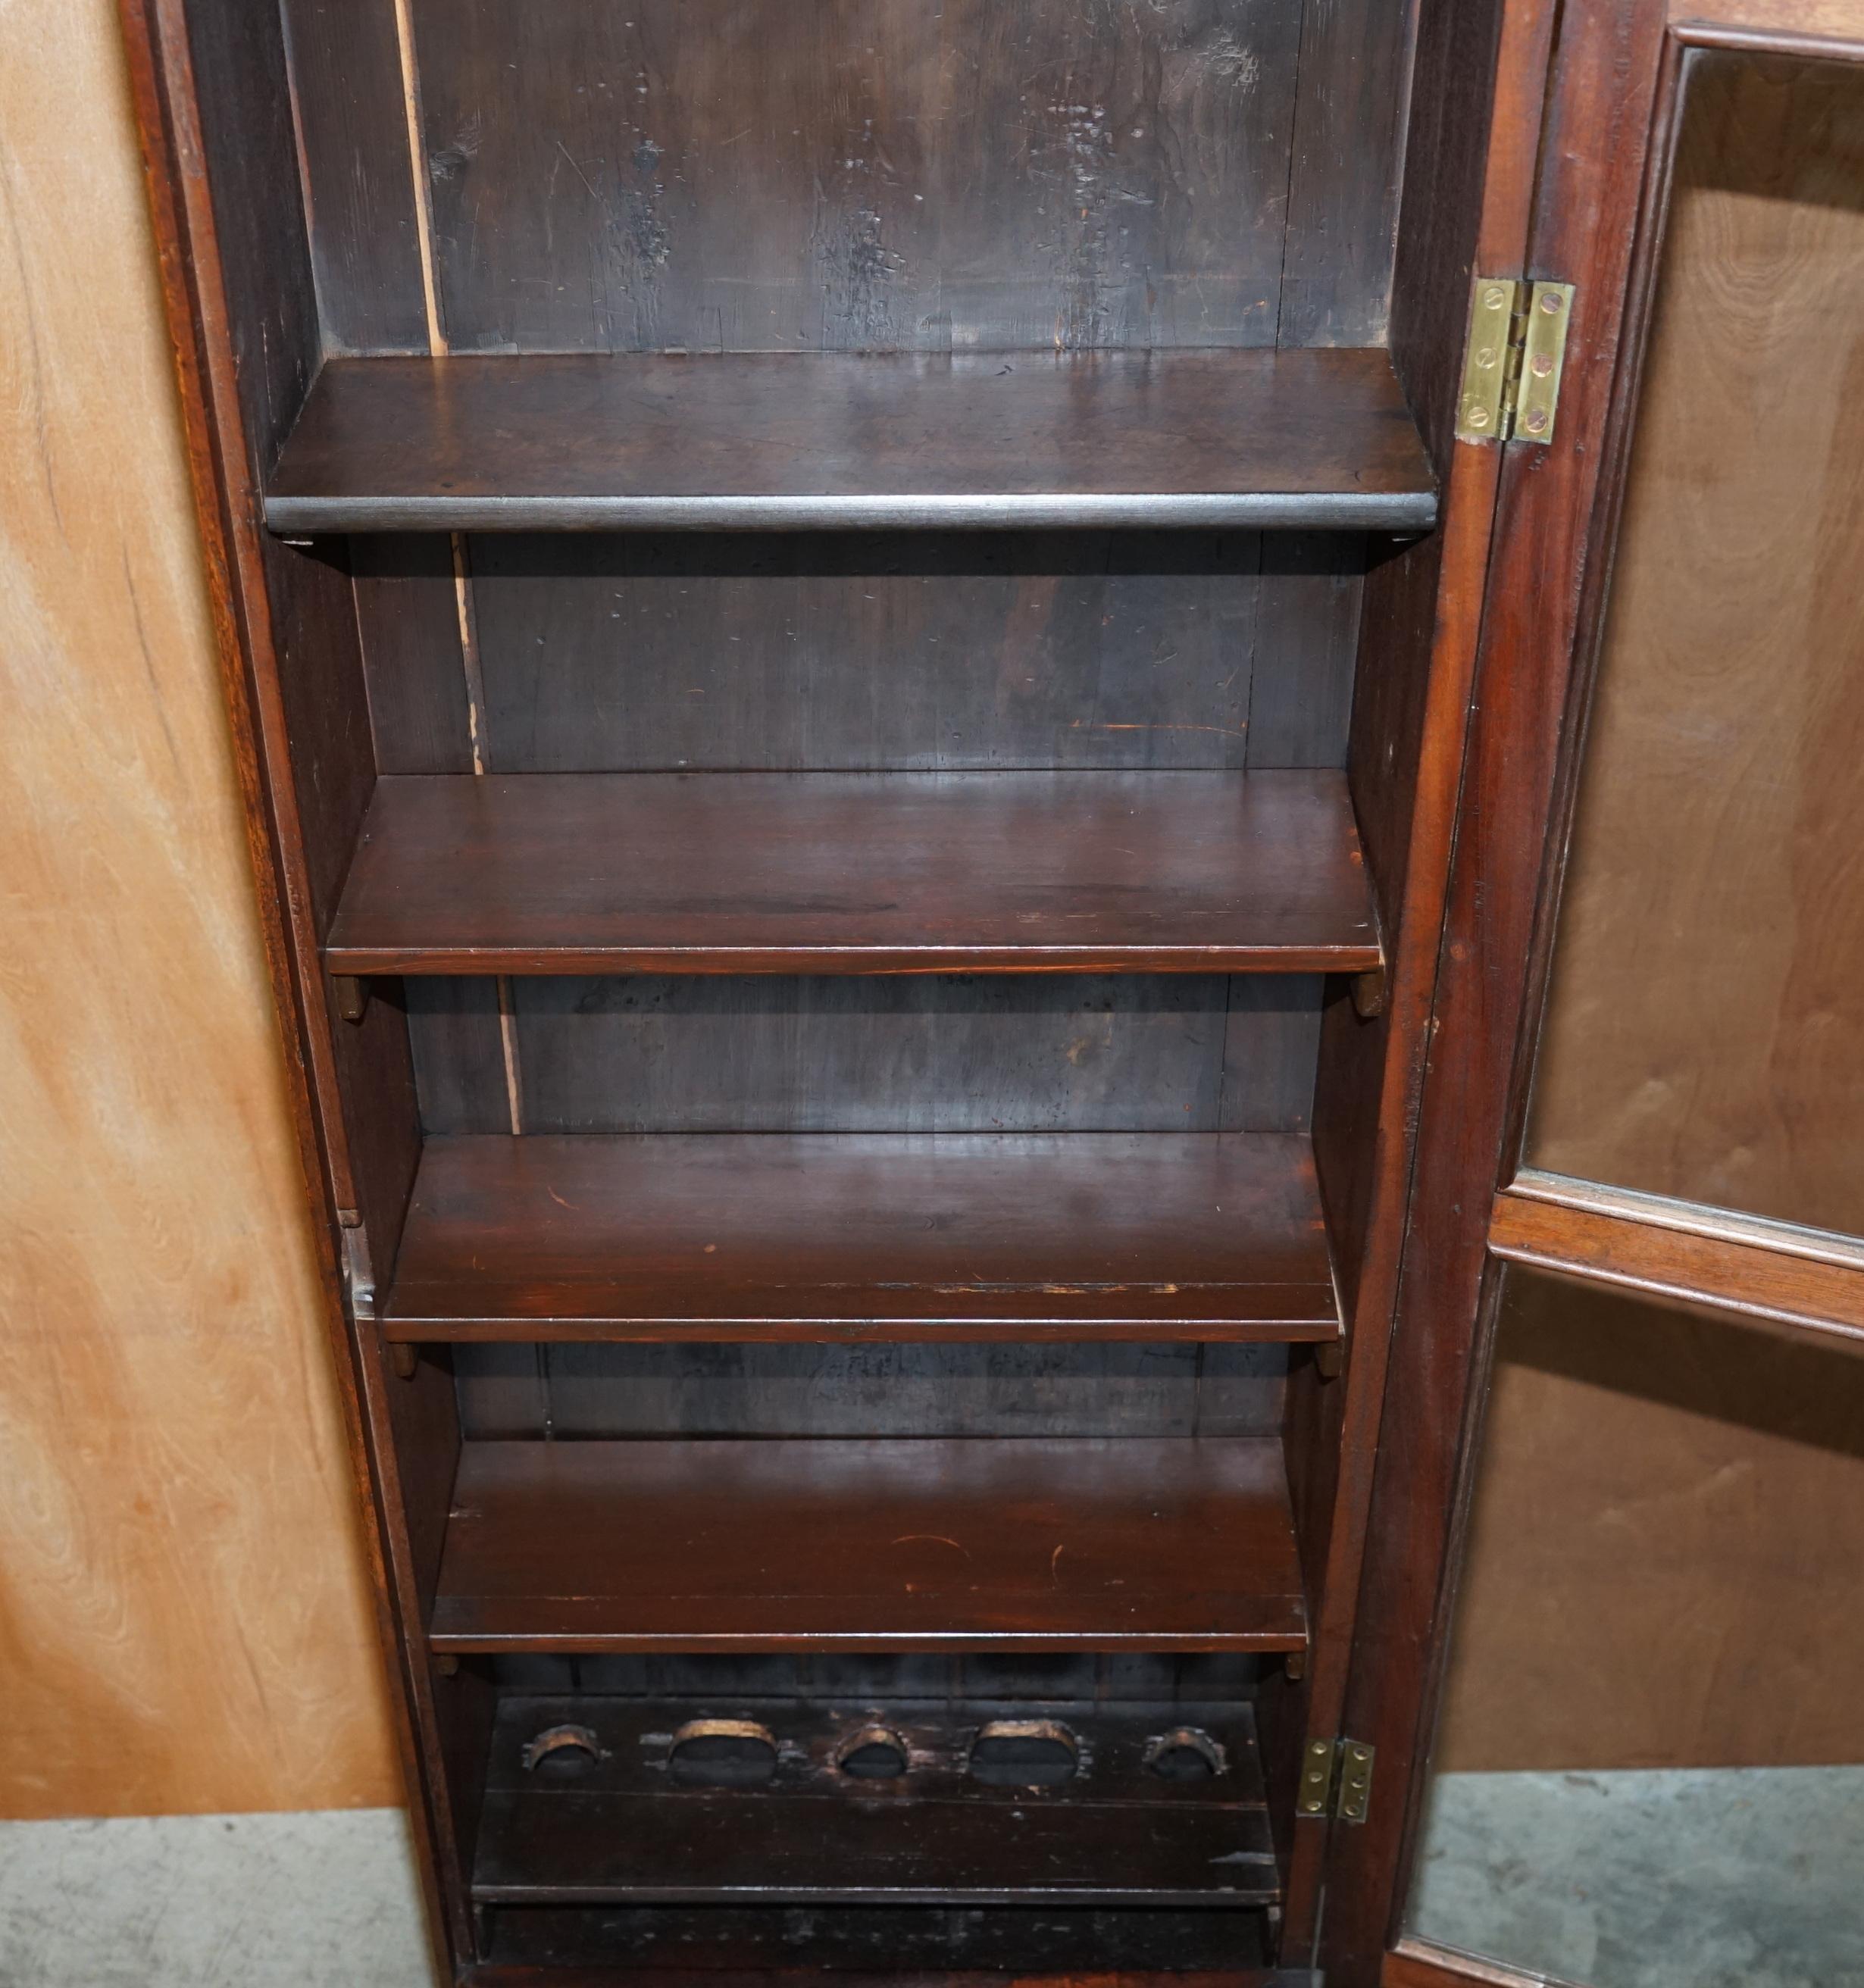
(183, 1621)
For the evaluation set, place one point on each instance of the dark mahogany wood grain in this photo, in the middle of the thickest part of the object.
(908, 1544)
(865, 1236)
(774, 441)
(620, 1830)
(853, 872)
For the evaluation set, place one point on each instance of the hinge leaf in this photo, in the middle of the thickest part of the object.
(1336, 1779)
(1314, 1800)
(1513, 360)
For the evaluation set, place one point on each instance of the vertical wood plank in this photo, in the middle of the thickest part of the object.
(364, 243)
(1355, 61)
(408, 618)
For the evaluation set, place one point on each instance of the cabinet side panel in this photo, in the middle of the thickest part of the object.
(306, 652)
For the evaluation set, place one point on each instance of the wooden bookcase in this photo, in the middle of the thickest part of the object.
(798, 577)
(852, 629)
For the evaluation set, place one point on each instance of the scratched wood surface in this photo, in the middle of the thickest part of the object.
(921, 1545)
(182, 1602)
(865, 1236)
(862, 873)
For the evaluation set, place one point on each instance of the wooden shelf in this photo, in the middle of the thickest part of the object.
(786, 441)
(620, 1831)
(1003, 1544)
(865, 1236)
(857, 873)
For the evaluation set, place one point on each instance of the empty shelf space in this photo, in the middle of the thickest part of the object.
(782, 441)
(768, 1814)
(865, 1236)
(908, 1543)
(857, 873)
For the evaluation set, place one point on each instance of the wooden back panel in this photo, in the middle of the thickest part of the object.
(854, 175)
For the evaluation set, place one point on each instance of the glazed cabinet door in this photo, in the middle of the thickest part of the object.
(1609, 1671)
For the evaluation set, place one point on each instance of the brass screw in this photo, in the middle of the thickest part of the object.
(1536, 421)
(1493, 297)
(1550, 303)
(1543, 364)
(1479, 417)
(1485, 356)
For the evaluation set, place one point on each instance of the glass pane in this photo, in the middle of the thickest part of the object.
(1649, 1771)
(1705, 1037)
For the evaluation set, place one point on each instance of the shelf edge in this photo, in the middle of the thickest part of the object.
(370, 962)
(415, 1329)
(459, 1641)
(1402, 511)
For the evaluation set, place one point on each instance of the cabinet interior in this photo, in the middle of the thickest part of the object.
(847, 601)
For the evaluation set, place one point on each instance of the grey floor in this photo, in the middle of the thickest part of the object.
(1738, 1879)
(1732, 1877)
(321, 1900)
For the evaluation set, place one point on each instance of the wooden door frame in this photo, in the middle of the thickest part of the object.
(1601, 201)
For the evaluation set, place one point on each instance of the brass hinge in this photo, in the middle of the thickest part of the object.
(1512, 365)
(1336, 1778)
